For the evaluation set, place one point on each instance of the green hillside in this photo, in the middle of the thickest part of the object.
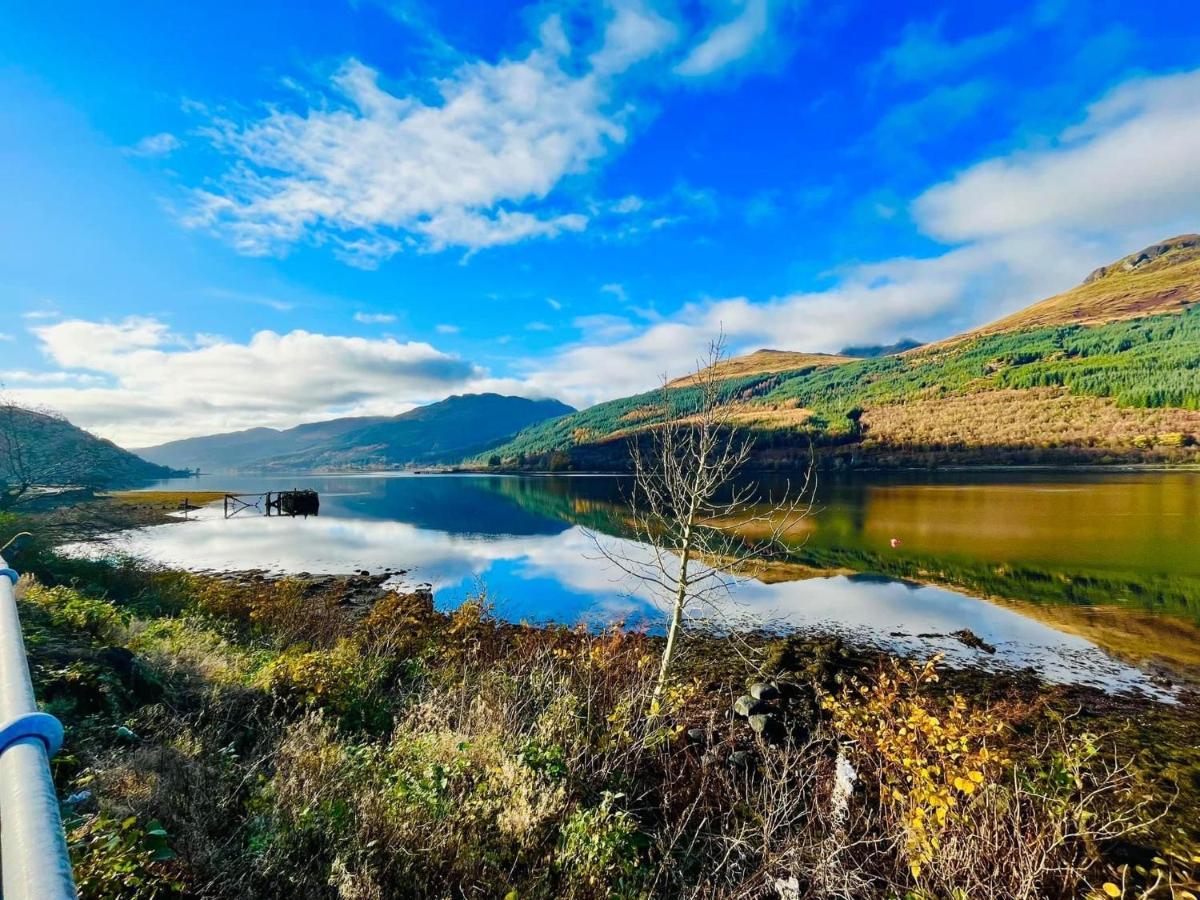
(1118, 389)
(38, 449)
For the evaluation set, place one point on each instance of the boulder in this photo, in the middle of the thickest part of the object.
(746, 706)
(764, 690)
(767, 726)
(760, 723)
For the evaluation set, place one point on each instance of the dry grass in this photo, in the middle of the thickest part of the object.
(1041, 417)
(1168, 285)
(166, 500)
(767, 362)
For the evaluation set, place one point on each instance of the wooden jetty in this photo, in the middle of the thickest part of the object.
(274, 503)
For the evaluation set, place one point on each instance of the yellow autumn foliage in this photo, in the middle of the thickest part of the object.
(931, 756)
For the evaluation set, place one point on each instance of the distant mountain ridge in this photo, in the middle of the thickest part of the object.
(446, 431)
(870, 351)
(1105, 372)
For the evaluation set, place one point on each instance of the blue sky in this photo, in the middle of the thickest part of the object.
(216, 216)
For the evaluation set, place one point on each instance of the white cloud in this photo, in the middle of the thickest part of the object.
(163, 144)
(869, 304)
(370, 170)
(928, 118)
(5, 337)
(364, 318)
(729, 41)
(601, 326)
(538, 326)
(164, 386)
(1133, 162)
(447, 329)
(459, 227)
(1031, 223)
(553, 304)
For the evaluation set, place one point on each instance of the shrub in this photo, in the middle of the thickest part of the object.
(928, 759)
(972, 817)
(286, 610)
(120, 860)
(68, 608)
(344, 681)
(600, 847)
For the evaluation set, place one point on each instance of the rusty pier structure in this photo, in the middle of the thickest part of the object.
(274, 503)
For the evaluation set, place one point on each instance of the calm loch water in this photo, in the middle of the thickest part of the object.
(1086, 576)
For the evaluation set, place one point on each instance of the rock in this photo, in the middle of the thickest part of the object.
(697, 735)
(971, 639)
(767, 726)
(741, 759)
(746, 705)
(761, 722)
(764, 690)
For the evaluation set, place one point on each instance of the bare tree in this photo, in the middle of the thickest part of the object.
(699, 528)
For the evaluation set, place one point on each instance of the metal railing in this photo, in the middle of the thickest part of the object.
(33, 849)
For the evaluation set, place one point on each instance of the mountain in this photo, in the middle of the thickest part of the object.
(873, 350)
(1107, 372)
(459, 426)
(38, 448)
(1161, 278)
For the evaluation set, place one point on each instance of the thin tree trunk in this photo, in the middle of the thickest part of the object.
(677, 609)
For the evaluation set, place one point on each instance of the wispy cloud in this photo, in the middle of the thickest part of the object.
(930, 117)
(155, 145)
(923, 52)
(370, 172)
(257, 299)
(635, 33)
(365, 318)
(445, 328)
(617, 290)
(733, 39)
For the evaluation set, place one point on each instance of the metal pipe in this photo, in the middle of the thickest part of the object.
(33, 848)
